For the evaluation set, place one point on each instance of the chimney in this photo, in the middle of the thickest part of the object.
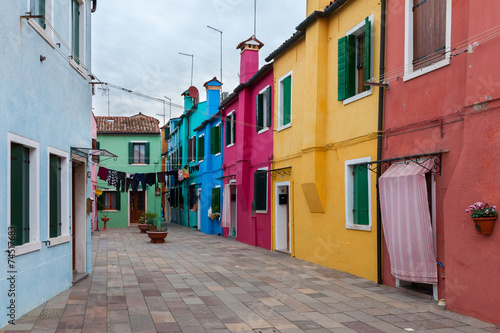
(213, 96)
(188, 101)
(249, 60)
(313, 5)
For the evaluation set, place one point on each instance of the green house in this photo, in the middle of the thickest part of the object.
(137, 142)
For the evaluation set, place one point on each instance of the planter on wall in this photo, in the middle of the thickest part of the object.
(484, 225)
(157, 236)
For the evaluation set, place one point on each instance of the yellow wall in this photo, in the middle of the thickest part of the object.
(324, 134)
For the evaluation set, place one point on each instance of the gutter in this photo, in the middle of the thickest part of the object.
(381, 93)
(296, 37)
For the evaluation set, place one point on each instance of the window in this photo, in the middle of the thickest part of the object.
(166, 130)
(179, 157)
(201, 148)
(263, 109)
(358, 195)
(23, 193)
(54, 196)
(285, 102)
(216, 200)
(58, 196)
(230, 129)
(38, 7)
(427, 36)
(354, 61)
(260, 190)
(111, 200)
(215, 139)
(192, 149)
(138, 152)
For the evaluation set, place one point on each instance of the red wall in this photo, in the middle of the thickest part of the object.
(470, 282)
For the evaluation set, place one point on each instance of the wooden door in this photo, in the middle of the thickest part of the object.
(137, 205)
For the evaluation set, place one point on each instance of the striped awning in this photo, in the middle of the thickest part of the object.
(407, 222)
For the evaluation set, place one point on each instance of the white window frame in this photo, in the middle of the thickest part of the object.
(65, 236)
(267, 192)
(356, 31)
(47, 34)
(194, 153)
(233, 118)
(218, 124)
(280, 102)
(265, 126)
(349, 195)
(199, 136)
(141, 142)
(34, 243)
(104, 200)
(82, 40)
(409, 73)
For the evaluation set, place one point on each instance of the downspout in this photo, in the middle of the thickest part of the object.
(381, 92)
(187, 187)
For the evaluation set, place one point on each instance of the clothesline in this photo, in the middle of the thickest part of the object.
(122, 181)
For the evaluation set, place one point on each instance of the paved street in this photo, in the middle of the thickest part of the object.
(204, 283)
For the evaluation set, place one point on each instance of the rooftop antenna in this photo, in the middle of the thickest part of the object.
(255, 17)
(220, 49)
(192, 62)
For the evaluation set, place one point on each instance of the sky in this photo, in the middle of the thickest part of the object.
(136, 45)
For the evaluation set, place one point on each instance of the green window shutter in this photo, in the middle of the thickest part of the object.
(346, 67)
(360, 204)
(216, 200)
(146, 155)
(190, 150)
(118, 204)
(55, 196)
(98, 146)
(130, 153)
(367, 49)
(260, 112)
(287, 100)
(260, 190)
(218, 138)
(19, 193)
(75, 13)
(193, 139)
(41, 11)
(100, 201)
(268, 106)
(201, 148)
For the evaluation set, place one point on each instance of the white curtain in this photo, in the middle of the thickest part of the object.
(226, 207)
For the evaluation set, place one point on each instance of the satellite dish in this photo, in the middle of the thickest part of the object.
(193, 92)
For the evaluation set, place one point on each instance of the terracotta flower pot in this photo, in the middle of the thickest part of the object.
(157, 236)
(484, 225)
(143, 227)
(105, 219)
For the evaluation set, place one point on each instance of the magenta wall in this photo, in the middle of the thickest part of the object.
(456, 109)
(250, 152)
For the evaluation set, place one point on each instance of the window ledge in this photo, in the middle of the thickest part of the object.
(230, 145)
(217, 154)
(358, 227)
(200, 161)
(284, 127)
(140, 164)
(425, 70)
(358, 96)
(59, 240)
(261, 212)
(78, 68)
(263, 130)
(27, 248)
(114, 210)
(42, 32)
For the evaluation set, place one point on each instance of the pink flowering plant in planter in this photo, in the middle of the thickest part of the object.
(480, 209)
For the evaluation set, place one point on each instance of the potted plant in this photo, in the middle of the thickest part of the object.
(104, 218)
(484, 217)
(159, 234)
(146, 222)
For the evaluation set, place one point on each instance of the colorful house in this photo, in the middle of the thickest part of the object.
(165, 204)
(187, 185)
(136, 141)
(441, 112)
(323, 200)
(210, 157)
(248, 150)
(45, 103)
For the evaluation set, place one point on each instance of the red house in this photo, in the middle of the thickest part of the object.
(442, 116)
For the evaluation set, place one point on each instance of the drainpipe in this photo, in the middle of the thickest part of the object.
(187, 187)
(381, 92)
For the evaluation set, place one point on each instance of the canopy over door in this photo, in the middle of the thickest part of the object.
(407, 222)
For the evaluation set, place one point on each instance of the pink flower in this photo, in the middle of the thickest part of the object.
(487, 211)
(494, 207)
(466, 210)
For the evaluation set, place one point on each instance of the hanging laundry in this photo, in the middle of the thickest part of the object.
(103, 173)
(151, 179)
(161, 176)
(129, 181)
(186, 172)
(140, 178)
(113, 178)
(121, 181)
(180, 175)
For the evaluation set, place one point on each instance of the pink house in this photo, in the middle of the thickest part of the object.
(248, 151)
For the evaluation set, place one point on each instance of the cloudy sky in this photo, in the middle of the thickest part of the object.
(136, 45)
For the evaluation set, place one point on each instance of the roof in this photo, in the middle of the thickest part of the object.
(137, 124)
(252, 41)
(301, 28)
(204, 123)
(213, 80)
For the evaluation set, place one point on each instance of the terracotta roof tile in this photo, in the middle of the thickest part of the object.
(138, 124)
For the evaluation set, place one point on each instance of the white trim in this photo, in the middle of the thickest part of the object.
(276, 186)
(65, 176)
(34, 192)
(59, 240)
(217, 154)
(230, 145)
(265, 129)
(358, 96)
(46, 34)
(280, 103)
(135, 141)
(267, 191)
(349, 195)
(264, 112)
(78, 68)
(42, 32)
(231, 114)
(409, 73)
(217, 186)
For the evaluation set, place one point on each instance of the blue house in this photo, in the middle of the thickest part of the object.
(45, 106)
(211, 157)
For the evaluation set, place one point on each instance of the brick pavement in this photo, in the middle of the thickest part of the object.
(204, 283)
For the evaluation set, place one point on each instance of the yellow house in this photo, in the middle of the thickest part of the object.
(324, 202)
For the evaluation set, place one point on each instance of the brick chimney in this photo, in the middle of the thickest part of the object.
(249, 60)
(213, 88)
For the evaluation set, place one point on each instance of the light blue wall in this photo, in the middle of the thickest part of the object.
(48, 102)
